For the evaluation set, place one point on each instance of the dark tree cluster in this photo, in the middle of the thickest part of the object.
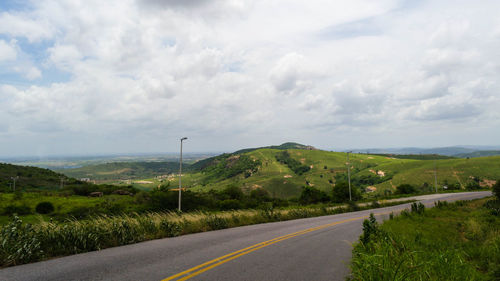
(298, 168)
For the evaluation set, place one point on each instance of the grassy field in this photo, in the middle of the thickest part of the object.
(65, 206)
(459, 241)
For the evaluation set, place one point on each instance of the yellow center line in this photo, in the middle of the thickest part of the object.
(192, 272)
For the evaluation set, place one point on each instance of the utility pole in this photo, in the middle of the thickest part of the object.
(14, 179)
(435, 176)
(349, 175)
(180, 174)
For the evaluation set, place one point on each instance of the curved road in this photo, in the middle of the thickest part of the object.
(304, 249)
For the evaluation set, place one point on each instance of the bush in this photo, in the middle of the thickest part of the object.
(370, 229)
(405, 189)
(417, 208)
(496, 189)
(44, 208)
(311, 195)
(340, 192)
(18, 243)
(260, 194)
(230, 204)
(17, 209)
(472, 185)
(233, 192)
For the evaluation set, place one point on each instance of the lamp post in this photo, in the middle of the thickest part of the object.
(14, 179)
(349, 175)
(180, 174)
(435, 176)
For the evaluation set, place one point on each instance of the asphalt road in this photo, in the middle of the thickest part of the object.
(304, 249)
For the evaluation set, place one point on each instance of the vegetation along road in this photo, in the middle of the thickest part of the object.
(305, 249)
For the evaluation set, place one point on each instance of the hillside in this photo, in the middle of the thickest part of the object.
(29, 177)
(124, 170)
(325, 168)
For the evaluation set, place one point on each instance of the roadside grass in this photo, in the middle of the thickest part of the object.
(64, 206)
(23, 242)
(457, 241)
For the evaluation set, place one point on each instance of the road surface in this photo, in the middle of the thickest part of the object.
(304, 249)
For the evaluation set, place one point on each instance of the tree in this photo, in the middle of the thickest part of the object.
(233, 192)
(496, 189)
(260, 194)
(405, 189)
(311, 195)
(44, 208)
(340, 192)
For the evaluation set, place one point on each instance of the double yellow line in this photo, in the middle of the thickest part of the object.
(192, 272)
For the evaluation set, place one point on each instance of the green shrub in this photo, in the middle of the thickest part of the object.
(496, 189)
(44, 208)
(417, 208)
(441, 204)
(340, 192)
(370, 229)
(311, 195)
(405, 189)
(375, 204)
(230, 204)
(17, 209)
(171, 229)
(215, 222)
(18, 195)
(18, 243)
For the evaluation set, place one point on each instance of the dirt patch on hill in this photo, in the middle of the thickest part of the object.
(372, 171)
(143, 182)
(371, 188)
(302, 160)
(287, 176)
(381, 173)
(487, 183)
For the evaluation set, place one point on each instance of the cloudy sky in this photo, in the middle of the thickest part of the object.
(127, 76)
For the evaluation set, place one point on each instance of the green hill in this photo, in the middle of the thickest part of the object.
(124, 170)
(325, 168)
(28, 177)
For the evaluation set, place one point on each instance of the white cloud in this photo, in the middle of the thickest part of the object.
(25, 25)
(8, 52)
(255, 72)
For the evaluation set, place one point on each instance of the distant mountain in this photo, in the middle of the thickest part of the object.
(481, 153)
(448, 151)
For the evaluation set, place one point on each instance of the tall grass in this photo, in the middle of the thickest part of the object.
(459, 241)
(23, 243)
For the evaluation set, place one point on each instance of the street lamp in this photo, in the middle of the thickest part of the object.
(180, 174)
(349, 175)
(14, 179)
